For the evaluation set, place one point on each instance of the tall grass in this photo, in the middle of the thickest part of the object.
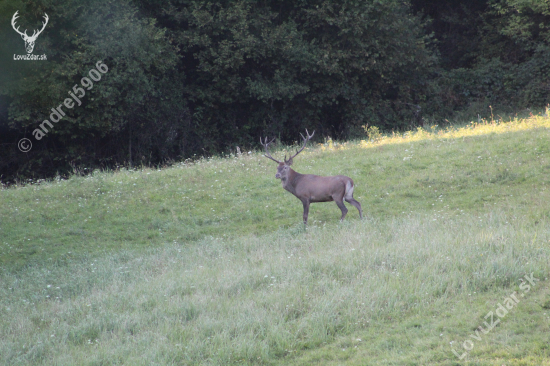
(256, 299)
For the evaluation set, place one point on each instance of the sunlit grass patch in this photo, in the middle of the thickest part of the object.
(435, 132)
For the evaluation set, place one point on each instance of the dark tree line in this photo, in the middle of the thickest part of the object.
(191, 78)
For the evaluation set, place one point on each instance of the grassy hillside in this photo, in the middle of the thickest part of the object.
(208, 263)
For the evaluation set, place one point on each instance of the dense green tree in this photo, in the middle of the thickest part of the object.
(492, 52)
(135, 99)
(281, 66)
(196, 77)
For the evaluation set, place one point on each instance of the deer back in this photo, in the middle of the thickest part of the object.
(315, 188)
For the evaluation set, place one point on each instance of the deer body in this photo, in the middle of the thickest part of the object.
(310, 188)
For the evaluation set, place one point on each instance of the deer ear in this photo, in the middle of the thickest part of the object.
(288, 162)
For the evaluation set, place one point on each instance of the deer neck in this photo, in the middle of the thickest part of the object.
(291, 180)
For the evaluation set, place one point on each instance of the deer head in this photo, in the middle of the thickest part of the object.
(284, 166)
(29, 41)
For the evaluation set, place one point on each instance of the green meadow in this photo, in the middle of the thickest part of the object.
(208, 263)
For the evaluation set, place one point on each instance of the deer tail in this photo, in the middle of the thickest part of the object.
(348, 193)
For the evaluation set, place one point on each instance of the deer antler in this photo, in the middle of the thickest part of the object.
(266, 144)
(15, 16)
(303, 147)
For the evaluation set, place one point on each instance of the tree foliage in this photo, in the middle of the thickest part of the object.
(189, 78)
(492, 52)
(328, 66)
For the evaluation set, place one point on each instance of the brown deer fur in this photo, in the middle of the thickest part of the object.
(310, 188)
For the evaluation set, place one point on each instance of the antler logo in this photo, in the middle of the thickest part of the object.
(29, 41)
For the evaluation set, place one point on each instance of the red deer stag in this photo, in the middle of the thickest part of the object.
(310, 188)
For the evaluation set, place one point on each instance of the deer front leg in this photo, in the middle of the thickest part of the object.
(306, 210)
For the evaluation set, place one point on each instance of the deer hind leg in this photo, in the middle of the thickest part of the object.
(357, 206)
(349, 198)
(342, 207)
